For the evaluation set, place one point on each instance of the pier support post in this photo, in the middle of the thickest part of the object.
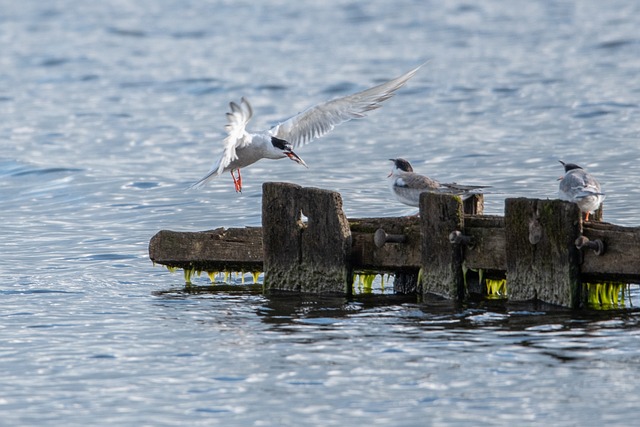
(441, 265)
(474, 205)
(307, 257)
(542, 259)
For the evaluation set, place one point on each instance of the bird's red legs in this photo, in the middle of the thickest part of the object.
(586, 218)
(237, 182)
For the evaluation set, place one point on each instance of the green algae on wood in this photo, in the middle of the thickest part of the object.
(364, 282)
(496, 288)
(606, 295)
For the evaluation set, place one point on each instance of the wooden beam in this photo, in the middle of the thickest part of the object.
(620, 260)
(330, 245)
(299, 256)
(542, 260)
(488, 242)
(441, 262)
(391, 257)
(234, 249)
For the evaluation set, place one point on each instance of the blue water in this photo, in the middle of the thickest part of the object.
(110, 109)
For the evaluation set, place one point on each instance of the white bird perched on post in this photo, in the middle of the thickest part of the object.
(580, 187)
(406, 185)
(242, 148)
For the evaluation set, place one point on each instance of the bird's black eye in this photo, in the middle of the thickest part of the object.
(280, 143)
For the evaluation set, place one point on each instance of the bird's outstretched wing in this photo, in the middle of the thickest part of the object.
(237, 119)
(322, 118)
(237, 137)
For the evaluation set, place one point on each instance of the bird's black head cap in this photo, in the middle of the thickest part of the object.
(402, 164)
(569, 166)
(281, 144)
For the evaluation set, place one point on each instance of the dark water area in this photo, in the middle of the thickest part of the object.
(110, 110)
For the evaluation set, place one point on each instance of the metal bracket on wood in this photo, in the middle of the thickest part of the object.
(596, 245)
(457, 238)
(381, 237)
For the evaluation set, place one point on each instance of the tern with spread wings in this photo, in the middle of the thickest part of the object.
(243, 148)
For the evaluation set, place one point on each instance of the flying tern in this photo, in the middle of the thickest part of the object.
(242, 148)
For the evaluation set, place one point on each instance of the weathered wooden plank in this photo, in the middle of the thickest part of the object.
(326, 243)
(488, 248)
(440, 214)
(242, 247)
(542, 260)
(234, 249)
(365, 255)
(547, 267)
(400, 259)
(309, 257)
(282, 234)
(621, 258)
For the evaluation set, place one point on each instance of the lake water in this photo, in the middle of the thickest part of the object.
(110, 109)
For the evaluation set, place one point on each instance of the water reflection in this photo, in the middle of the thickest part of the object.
(429, 312)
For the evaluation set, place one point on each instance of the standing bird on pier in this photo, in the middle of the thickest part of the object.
(580, 187)
(406, 185)
(242, 148)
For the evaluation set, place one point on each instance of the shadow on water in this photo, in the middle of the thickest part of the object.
(282, 308)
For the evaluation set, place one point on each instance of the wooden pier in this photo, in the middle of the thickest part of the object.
(540, 247)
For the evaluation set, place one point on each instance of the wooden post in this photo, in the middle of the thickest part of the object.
(598, 215)
(281, 235)
(473, 205)
(311, 257)
(542, 260)
(441, 214)
(326, 243)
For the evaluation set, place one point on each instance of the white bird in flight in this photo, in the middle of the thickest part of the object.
(243, 148)
(580, 187)
(406, 185)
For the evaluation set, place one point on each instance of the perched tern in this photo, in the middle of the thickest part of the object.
(580, 187)
(243, 148)
(406, 185)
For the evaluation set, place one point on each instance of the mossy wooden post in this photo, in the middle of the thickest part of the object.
(440, 214)
(542, 259)
(309, 257)
(473, 205)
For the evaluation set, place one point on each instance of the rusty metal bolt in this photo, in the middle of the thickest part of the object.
(596, 245)
(381, 237)
(457, 238)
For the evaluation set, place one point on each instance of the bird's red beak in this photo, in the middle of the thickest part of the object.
(293, 156)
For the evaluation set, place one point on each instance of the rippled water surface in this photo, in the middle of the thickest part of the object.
(109, 110)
